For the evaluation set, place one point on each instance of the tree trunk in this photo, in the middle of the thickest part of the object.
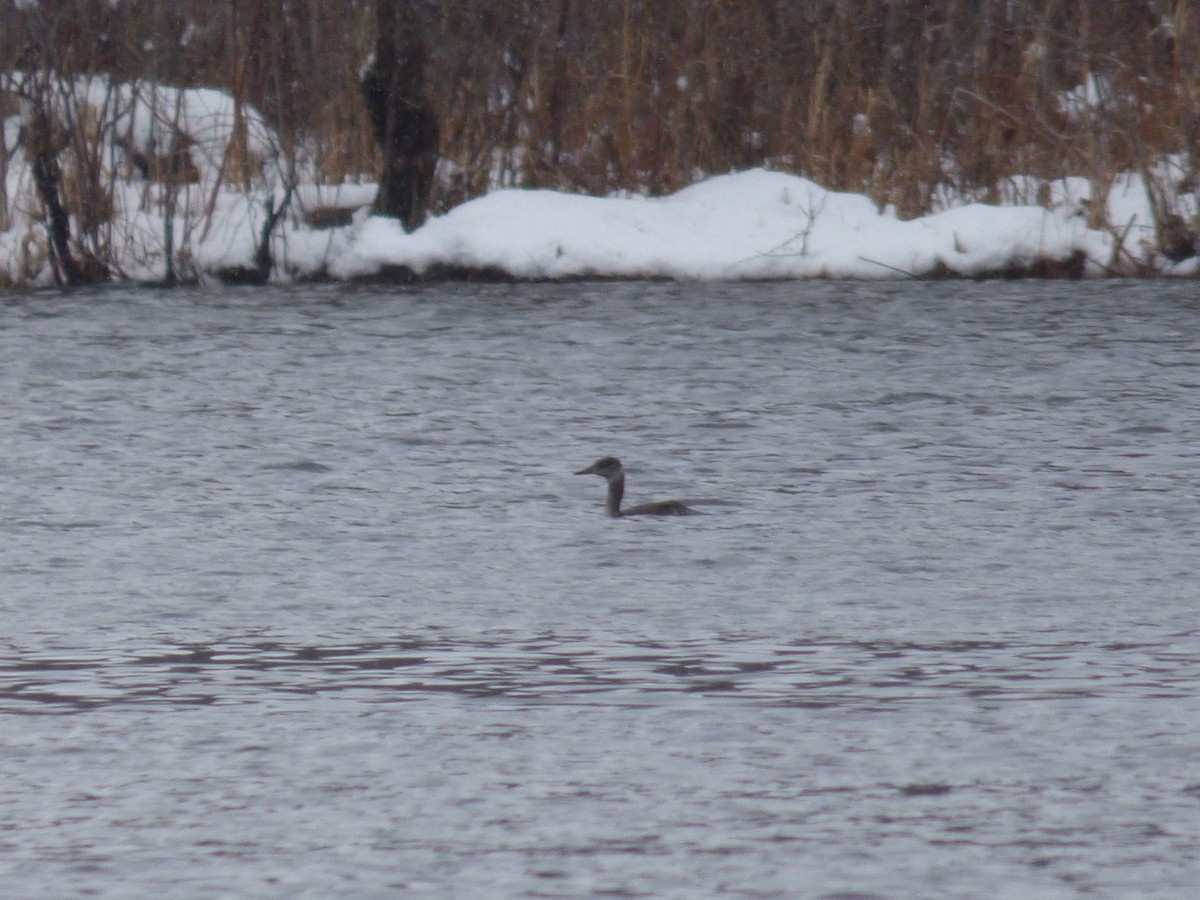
(38, 137)
(405, 126)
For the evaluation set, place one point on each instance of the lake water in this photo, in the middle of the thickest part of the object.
(300, 597)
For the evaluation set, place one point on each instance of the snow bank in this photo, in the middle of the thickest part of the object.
(751, 225)
(756, 224)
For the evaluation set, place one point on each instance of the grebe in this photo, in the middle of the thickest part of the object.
(609, 468)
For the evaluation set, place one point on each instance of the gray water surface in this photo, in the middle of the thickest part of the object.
(299, 596)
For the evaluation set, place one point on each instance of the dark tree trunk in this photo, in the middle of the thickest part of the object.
(404, 123)
(558, 87)
(38, 137)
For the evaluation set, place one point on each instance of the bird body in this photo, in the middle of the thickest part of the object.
(610, 469)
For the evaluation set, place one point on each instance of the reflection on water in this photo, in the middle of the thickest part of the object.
(301, 597)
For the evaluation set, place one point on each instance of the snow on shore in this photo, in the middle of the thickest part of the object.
(751, 225)
(756, 224)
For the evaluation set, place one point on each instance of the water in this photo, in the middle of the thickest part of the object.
(301, 599)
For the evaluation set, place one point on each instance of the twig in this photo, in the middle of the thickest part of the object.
(884, 265)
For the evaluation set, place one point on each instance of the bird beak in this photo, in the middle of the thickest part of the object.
(590, 470)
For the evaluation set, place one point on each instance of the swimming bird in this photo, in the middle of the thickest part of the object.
(609, 468)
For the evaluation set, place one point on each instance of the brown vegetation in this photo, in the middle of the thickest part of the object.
(898, 100)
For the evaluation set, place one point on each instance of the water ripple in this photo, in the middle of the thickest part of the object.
(827, 674)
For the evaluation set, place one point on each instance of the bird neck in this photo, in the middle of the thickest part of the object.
(616, 490)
